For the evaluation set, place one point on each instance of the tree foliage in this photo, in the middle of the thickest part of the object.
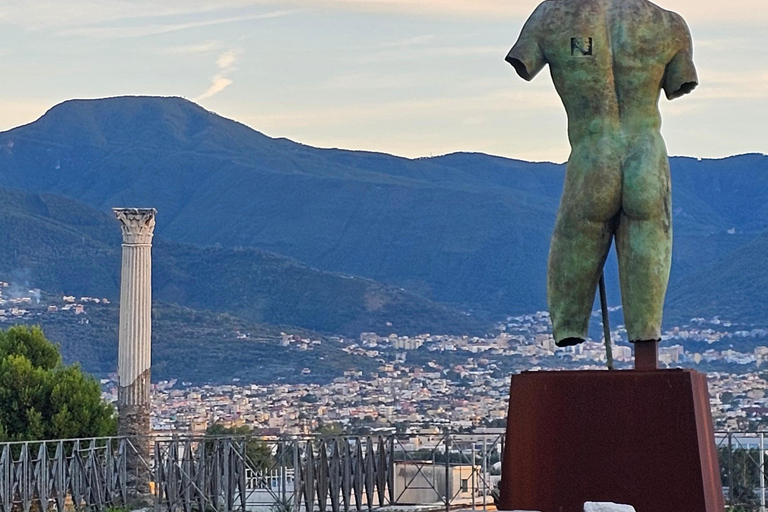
(40, 398)
(329, 429)
(258, 452)
(740, 475)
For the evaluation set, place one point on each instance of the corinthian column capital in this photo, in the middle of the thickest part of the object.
(138, 224)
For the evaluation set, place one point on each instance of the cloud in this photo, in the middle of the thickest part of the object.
(409, 41)
(47, 14)
(430, 52)
(226, 60)
(165, 28)
(192, 49)
(514, 101)
(751, 11)
(226, 64)
(523, 120)
(87, 14)
(219, 84)
(752, 85)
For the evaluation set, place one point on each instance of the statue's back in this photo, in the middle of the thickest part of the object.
(608, 59)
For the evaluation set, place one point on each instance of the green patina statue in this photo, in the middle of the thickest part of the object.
(609, 60)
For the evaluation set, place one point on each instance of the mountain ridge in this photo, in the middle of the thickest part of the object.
(465, 229)
(64, 246)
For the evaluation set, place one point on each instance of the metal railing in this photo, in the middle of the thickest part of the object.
(742, 457)
(242, 473)
(79, 474)
(294, 474)
(327, 474)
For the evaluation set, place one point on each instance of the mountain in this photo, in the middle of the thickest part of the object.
(470, 230)
(193, 346)
(735, 288)
(198, 346)
(61, 245)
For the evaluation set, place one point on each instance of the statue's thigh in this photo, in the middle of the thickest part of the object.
(646, 184)
(593, 182)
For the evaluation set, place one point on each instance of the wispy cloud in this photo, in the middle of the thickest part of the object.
(225, 63)
(220, 83)
(409, 41)
(429, 52)
(50, 14)
(494, 101)
(41, 14)
(203, 48)
(751, 85)
(226, 60)
(376, 81)
(165, 28)
(752, 11)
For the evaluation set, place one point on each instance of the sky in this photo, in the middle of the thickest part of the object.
(408, 77)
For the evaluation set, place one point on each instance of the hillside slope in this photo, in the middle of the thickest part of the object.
(466, 229)
(60, 245)
(735, 288)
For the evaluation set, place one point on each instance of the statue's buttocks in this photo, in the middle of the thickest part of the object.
(609, 60)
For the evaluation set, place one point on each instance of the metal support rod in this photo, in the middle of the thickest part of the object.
(434, 468)
(485, 475)
(296, 477)
(447, 472)
(474, 479)
(606, 323)
(283, 474)
(762, 472)
(730, 468)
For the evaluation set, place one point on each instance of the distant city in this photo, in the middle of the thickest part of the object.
(456, 382)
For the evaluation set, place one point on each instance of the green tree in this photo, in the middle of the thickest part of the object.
(258, 452)
(41, 398)
(739, 467)
(329, 429)
(309, 398)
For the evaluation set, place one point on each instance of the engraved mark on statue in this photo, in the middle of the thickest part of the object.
(581, 46)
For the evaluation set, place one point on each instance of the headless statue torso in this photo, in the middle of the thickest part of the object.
(609, 60)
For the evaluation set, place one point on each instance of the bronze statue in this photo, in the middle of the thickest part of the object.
(609, 60)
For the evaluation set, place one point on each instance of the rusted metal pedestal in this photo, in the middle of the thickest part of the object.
(642, 438)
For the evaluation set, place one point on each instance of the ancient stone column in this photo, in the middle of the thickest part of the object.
(135, 340)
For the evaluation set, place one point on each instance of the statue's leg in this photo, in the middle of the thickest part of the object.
(581, 240)
(644, 238)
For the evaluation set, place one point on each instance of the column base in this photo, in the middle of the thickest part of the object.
(134, 424)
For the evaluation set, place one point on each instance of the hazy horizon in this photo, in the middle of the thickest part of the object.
(414, 79)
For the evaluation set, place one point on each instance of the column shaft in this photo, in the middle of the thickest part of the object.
(134, 352)
(135, 346)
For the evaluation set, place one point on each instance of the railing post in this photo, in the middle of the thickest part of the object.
(447, 471)
(485, 474)
(474, 476)
(283, 474)
(762, 472)
(26, 483)
(434, 469)
(159, 490)
(730, 468)
(296, 477)
(391, 479)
